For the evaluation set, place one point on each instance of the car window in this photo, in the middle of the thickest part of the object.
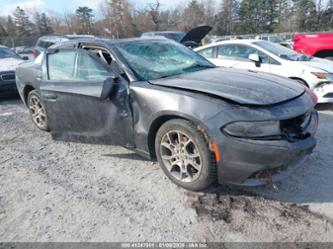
(89, 68)
(62, 66)
(8, 53)
(45, 44)
(207, 53)
(235, 52)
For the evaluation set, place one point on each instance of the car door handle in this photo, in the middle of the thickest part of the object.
(50, 96)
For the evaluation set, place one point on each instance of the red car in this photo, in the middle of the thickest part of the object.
(319, 45)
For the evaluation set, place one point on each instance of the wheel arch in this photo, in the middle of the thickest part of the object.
(161, 119)
(324, 53)
(26, 90)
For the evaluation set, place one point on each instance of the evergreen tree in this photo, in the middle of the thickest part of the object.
(227, 17)
(23, 26)
(248, 16)
(306, 14)
(43, 24)
(85, 16)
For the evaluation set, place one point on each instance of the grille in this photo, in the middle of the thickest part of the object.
(8, 77)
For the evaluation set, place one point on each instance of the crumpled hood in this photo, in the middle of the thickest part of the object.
(9, 64)
(241, 86)
(318, 63)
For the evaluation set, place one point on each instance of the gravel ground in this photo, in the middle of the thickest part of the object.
(57, 191)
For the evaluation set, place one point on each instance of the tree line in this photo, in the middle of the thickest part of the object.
(120, 18)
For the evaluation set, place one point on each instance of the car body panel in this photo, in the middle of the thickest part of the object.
(229, 84)
(196, 34)
(312, 44)
(134, 111)
(8, 66)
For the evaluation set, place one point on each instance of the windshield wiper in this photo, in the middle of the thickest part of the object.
(197, 66)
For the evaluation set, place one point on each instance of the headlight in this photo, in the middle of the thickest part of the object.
(323, 76)
(253, 129)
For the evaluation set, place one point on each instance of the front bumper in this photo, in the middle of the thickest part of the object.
(254, 162)
(7, 85)
(8, 88)
(242, 160)
(324, 92)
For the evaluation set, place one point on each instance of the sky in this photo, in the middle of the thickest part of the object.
(61, 6)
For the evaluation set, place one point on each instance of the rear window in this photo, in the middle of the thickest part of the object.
(45, 44)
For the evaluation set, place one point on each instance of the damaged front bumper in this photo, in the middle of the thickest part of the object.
(255, 162)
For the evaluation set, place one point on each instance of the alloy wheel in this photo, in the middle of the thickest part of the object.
(181, 156)
(37, 112)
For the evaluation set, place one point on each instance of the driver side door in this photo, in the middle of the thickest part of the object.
(71, 90)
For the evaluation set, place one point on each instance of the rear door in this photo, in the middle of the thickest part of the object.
(72, 84)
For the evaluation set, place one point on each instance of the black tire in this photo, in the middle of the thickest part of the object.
(35, 105)
(207, 174)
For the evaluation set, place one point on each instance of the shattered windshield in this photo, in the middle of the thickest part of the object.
(282, 52)
(159, 59)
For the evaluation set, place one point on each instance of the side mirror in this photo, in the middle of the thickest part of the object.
(25, 58)
(256, 59)
(108, 85)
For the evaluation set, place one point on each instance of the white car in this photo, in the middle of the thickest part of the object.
(264, 56)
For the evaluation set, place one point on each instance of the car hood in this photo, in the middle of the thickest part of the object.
(9, 64)
(318, 63)
(196, 34)
(240, 86)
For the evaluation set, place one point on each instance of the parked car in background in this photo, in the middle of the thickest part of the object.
(264, 56)
(163, 100)
(9, 60)
(319, 45)
(271, 38)
(191, 39)
(46, 41)
(173, 35)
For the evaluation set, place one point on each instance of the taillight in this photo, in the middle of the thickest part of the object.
(35, 52)
(312, 95)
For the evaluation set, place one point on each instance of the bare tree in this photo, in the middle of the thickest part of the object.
(154, 10)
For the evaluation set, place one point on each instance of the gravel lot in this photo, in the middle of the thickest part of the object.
(57, 191)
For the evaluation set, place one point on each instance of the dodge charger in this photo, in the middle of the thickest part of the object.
(168, 103)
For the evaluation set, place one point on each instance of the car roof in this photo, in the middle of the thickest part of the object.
(235, 41)
(108, 42)
(49, 37)
(164, 32)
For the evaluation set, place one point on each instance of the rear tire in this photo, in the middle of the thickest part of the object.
(184, 155)
(37, 110)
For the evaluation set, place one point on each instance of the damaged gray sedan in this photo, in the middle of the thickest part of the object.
(166, 102)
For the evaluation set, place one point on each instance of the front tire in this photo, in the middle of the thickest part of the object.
(184, 155)
(37, 111)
